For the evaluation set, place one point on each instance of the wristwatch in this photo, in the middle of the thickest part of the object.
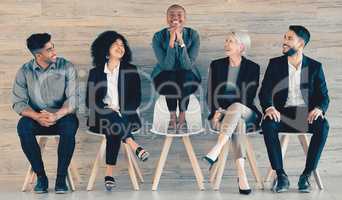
(182, 45)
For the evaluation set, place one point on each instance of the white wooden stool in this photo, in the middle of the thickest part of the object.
(133, 167)
(284, 141)
(31, 176)
(160, 124)
(216, 172)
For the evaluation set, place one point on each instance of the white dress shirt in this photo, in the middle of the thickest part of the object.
(295, 97)
(112, 96)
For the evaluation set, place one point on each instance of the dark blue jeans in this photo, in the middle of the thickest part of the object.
(293, 119)
(116, 128)
(65, 127)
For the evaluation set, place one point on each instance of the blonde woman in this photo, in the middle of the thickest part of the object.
(232, 86)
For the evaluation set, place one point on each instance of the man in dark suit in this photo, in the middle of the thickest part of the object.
(294, 98)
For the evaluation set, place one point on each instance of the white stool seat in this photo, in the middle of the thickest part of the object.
(160, 124)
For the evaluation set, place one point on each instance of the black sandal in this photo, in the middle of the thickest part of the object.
(209, 161)
(142, 154)
(109, 183)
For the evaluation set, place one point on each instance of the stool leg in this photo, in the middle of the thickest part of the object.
(221, 165)
(304, 141)
(213, 172)
(194, 163)
(97, 161)
(30, 175)
(136, 165)
(70, 180)
(252, 162)
(72, 171)
(284, 142)
(131, 171)
(161, 162)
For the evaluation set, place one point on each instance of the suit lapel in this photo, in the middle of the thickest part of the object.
(102, 78)
(120, 83)
(284, 70)
(304, 79)
(242, 72)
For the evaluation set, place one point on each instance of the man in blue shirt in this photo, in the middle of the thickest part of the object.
(45, 94)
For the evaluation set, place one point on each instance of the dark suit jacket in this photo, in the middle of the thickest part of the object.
(274, 89)
(129, 90)
(247, 83)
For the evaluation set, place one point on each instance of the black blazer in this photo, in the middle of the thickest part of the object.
(247, 83)
(129, 90)
(274, 89)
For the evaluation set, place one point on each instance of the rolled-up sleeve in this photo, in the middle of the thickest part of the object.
(189, 54)
(166, 57)
(20, 98)
(71, 88)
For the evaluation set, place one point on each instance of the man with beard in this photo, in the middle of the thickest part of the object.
(294, 98)
(45, 95)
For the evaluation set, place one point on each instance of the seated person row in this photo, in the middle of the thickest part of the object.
(113, 109)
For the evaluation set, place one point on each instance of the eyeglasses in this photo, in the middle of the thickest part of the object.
(51, 49)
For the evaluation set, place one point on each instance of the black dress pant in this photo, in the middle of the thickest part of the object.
(293, 119)
(177, 86)
(66, 128)
(116, 128)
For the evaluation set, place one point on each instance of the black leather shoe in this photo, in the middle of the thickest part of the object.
(304, 184)
(244, 191)
(42, 185)
(281, 184)
(209, 161)
(61, 186)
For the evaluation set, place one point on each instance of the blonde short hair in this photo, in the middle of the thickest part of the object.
(243, 38)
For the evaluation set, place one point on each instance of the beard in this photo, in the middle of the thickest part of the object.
(292, 51)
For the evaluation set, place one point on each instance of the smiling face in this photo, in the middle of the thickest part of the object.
(117, 50)
(175, 17)
(292, 43)
(232, 46)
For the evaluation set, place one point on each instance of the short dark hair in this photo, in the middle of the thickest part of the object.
(301, 32)
(101, 45)
(37, 41)
(175, 6)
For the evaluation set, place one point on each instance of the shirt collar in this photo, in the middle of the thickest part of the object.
(107, 71)
(293, 68)
(39, 68)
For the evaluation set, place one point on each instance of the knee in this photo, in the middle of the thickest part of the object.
(68, 124)
(320, 126)
(269, 125)
(25, 126)
(235, 106)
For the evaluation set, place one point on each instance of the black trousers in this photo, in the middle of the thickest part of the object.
(65, 127)
(116, 128)
(177, 86)
(293, 119)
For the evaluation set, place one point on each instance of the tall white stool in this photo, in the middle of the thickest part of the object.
(31, 176)
(304, 141)
(160, 124)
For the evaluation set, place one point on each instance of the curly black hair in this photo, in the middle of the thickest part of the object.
(100, 48)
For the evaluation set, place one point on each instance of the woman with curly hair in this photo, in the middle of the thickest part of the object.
(113, 97)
